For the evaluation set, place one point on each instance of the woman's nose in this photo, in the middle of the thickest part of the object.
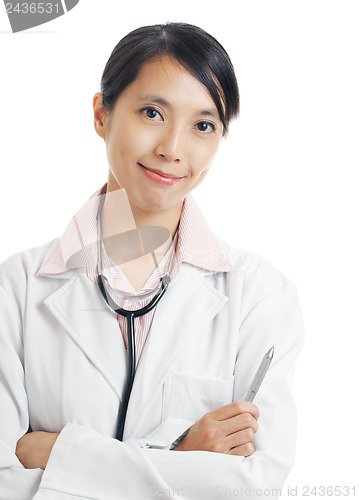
(170, 145)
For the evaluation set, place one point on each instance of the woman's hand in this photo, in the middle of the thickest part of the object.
(33, 449)
(229, 429)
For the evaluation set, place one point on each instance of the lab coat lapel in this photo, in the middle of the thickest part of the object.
(183, 312)
(81, 310)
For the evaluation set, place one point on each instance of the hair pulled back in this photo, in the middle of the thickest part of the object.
(197, 51)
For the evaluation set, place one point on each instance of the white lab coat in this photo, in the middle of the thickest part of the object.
(62, 368)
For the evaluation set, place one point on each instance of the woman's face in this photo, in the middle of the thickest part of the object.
(165, 122)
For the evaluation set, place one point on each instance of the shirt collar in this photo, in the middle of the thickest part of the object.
(197, 244)
(77, 246)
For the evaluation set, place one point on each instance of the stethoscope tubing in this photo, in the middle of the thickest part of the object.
(131, 368)
(130, 316)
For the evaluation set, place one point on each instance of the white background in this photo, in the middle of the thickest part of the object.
(283, 185)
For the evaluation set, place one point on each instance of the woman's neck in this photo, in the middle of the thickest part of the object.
(123, 235)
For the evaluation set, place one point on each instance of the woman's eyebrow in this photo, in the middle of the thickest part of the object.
(155, 98)
(160, 100)
(210, 112)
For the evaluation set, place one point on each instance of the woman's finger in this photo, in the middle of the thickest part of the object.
(233, 409)
(245, 450)
(239, 438)
(239, 423)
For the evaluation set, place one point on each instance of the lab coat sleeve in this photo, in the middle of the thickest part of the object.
(87, 465)
(16, 482)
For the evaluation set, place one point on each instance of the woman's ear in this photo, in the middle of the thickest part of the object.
(100, 115)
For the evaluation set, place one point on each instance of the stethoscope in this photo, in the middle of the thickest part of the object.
(130, 316)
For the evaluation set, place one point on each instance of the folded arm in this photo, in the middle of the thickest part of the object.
(84, 463)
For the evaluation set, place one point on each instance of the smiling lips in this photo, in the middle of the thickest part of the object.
(160, 177)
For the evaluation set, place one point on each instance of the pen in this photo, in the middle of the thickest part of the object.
(259, 376)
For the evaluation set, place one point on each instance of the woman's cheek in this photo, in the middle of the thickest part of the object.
(140, 142)
(202, 157)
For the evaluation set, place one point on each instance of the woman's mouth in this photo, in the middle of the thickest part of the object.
(159, 176)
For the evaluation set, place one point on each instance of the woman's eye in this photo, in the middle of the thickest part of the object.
(151, 113)
(205, 127)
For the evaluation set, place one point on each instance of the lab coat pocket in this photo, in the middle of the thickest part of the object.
(191, 396)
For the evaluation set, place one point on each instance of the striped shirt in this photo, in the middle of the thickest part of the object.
(77, 249)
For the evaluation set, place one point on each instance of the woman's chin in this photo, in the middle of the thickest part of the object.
(155, 202)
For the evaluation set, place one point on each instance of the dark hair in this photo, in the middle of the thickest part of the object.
(194, 48)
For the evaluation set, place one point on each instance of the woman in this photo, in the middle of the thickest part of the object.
(167, 96)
